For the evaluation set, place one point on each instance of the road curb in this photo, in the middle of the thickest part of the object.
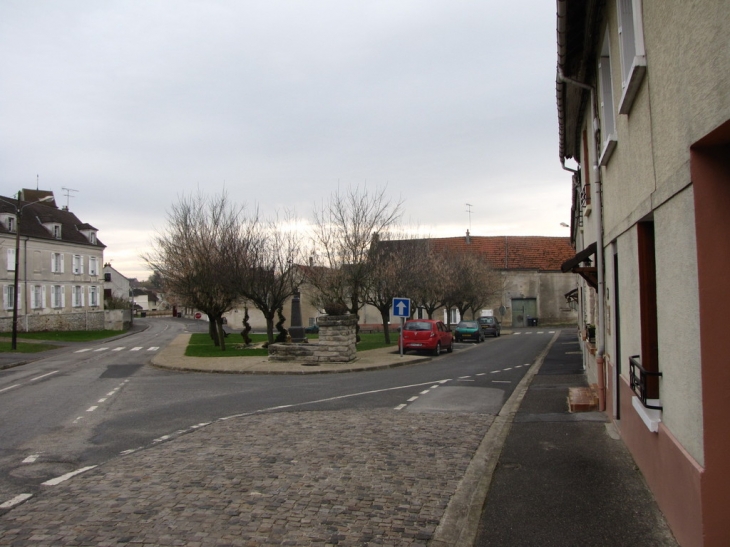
(460, 523)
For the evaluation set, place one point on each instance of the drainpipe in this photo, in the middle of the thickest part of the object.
(597, 192)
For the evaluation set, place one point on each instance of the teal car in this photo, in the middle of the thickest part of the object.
(468, 330)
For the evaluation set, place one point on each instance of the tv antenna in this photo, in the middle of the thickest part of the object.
(469, 205)
(68, 194)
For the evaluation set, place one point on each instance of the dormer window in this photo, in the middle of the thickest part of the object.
(10, 222)
(57, 231)
(92, 237)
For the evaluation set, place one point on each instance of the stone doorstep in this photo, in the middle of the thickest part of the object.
(583, 399)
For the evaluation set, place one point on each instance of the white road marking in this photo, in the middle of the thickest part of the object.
(101, 400)
(131, 451)
(136, 349)
(31, 458)
(83, 350)
(399, 407)
(424, 392)
(153, 348)
(434, 387)
(412, 399)
(508, 368)
(42, 376)
(20, 498)
(515, 333)
(551, 332)
(62, 478)
(462, 377)
(196, 426)
(120, 348)
(111, 393)
(91, 408)
(101, 349)
(528, 333)
(466, 380)
(9, 387)
(77, 419)
(160, 439)
(541, 332)
(481, 374)
(495, 371)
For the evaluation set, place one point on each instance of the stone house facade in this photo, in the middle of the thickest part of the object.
(60, 278)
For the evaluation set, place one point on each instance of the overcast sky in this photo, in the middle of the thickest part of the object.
(134, 103)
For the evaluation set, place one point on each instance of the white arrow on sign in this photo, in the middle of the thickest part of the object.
(401, 308)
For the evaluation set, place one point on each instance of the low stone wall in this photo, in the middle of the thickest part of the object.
(43, 322)
(337, 343)
(117, 319)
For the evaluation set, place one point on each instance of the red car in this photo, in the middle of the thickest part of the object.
(427, 334)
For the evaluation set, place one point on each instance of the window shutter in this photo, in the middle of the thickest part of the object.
(43, 297)
(5, 297)
(81, 264)
(11, 260)
(62, 261)
(63, 295)
(626, 37)
(81, 290)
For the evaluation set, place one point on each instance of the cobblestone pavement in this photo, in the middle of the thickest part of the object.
(360, 477)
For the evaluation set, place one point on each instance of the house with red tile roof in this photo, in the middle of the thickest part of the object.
(533, 285)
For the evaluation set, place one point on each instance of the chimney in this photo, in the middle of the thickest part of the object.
(311, 262)
(468, 238)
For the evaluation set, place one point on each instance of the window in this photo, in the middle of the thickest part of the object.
(57, 262)
(77, 296)
(8, 293)
(57, 231)
(633, 59)
(93, 296)
(11, 260)
(37, 297)
(93, 265)
(605, 93)
(57, 296)
(78, 264)
(11, 224)
(92, 237)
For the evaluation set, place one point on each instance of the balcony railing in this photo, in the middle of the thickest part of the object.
(638, 377)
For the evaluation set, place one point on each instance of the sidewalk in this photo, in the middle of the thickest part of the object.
(567, 479)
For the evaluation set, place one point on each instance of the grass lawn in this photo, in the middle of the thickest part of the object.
(66, 336)
(23, 347)
(201, 345)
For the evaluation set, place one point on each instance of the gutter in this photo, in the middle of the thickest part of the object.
(597, 193)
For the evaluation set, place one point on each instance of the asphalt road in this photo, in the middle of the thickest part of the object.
(86, 405)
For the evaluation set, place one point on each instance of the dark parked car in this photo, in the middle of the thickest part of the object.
(490, 325)
(469, 330)
(427, 334)
(312, 329)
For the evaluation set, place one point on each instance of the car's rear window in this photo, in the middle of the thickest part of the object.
(417, 325)
(488, 320)
(467, 325)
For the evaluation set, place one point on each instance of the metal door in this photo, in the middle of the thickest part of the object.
(522, 308)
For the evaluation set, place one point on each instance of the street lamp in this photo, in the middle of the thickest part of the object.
(18, 214)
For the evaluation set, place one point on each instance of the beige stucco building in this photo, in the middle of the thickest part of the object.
(643, 93)
(60, 279)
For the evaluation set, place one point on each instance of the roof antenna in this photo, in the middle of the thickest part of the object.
(469, 205)
(68, 196)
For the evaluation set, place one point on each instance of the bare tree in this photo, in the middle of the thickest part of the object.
(392, 274)
(343, 229)
(194, 253)
(432, 280)
(270, 272)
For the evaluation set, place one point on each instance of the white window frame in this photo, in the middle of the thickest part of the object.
(78, 264)
(58, 297)
(8, 292)
(77, 296)
(11, 260)
(57, 262)
(37, 297)
(93, 265)
(92, 237)
(93, 296)
(633, 54)
(607, 111)
(57, 231)
(11, 224)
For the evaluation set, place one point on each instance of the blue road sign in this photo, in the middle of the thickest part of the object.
(402, 307)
